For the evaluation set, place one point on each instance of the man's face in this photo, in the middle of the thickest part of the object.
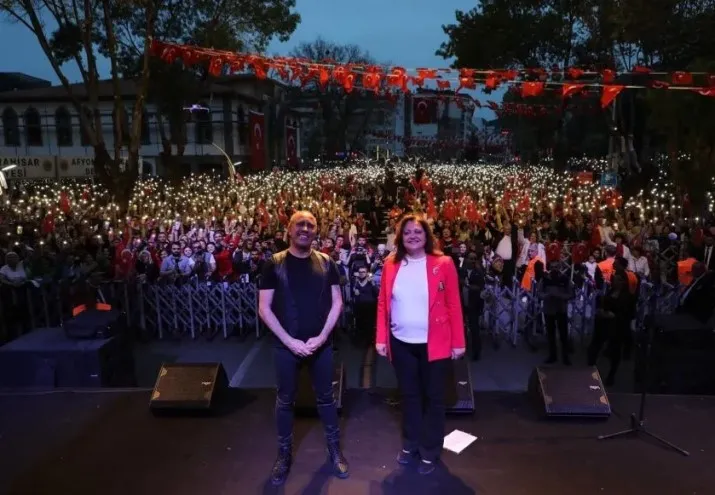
(196, 247)
(219, 239)
(176, 250)
(471, 260)
(161, 237)
(255, 256)
(362, 273)
(302, 231)
(362, 241)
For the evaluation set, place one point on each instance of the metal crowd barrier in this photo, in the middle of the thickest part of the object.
(206, 309)
(512, 313)
(156, 310)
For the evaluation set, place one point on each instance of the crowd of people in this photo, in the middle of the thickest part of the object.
(502, 217)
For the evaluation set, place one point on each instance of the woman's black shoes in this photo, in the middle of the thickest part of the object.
(426, 468)
(406, 458)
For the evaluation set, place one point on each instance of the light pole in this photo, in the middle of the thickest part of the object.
(3, 181)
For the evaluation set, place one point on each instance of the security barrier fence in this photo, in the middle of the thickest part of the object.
(160, 310)
(207, 309)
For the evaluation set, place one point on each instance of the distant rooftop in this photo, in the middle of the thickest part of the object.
(127, 88)
(12, 81)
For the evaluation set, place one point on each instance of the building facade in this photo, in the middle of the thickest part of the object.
(40, 129)
(424, 121)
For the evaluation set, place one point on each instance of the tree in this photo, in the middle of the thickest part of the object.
(339, 109)
(666, 35)
(75, 31)
(549, 33)
(233, 25)
(76, 25)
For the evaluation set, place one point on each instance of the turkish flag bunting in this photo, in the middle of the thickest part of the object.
(610, 92)
(571, 89)
(258, 148)
(292, 146)
(425, 110)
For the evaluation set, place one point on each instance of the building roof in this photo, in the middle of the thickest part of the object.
(127, 87)
(18, 81)
(21, 76)
(79, 90)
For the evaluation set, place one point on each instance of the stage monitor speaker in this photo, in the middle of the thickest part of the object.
(569, 392)
(459, 393)
(305, 404)
(188, 387)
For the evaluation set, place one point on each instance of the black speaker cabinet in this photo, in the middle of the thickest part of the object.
(190, 387)
(569, 392)
(305, 404)
(94, 324)
(459, 393)
(46, 357)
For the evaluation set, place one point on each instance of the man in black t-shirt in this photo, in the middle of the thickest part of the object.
(300, 301)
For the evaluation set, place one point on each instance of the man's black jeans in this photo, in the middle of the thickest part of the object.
(320, 365)
(422, 390)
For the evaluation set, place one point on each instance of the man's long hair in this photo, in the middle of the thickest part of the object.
(430, 242)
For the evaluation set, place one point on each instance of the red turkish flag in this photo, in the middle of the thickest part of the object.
(258, 148)
(424, 110)
(292, 146)
(65, 204)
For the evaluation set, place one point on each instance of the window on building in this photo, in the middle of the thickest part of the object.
(177, 130)
(84, 135)
(63, 126)
(204, 127)
(241, 125)
(33, 127)
(124, 134)
(11, 127)
(379, 117)
(146, 129)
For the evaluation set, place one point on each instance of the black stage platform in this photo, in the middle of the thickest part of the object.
(102, 443)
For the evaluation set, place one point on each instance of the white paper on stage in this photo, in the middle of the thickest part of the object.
(457, 441)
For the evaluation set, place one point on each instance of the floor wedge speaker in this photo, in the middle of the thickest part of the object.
(189, 387)
(459, 393)
(569, 391)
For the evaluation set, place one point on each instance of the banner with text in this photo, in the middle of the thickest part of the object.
(75, 167)
(29, 167)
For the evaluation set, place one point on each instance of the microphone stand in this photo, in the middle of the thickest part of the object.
(638, 422)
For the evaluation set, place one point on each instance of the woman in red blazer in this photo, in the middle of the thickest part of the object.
(420, 328)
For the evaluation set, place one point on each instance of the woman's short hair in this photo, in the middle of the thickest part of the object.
(430, 241)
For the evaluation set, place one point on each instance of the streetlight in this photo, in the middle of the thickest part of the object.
(3, 181)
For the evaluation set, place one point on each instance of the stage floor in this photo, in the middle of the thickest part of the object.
(102, 443)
